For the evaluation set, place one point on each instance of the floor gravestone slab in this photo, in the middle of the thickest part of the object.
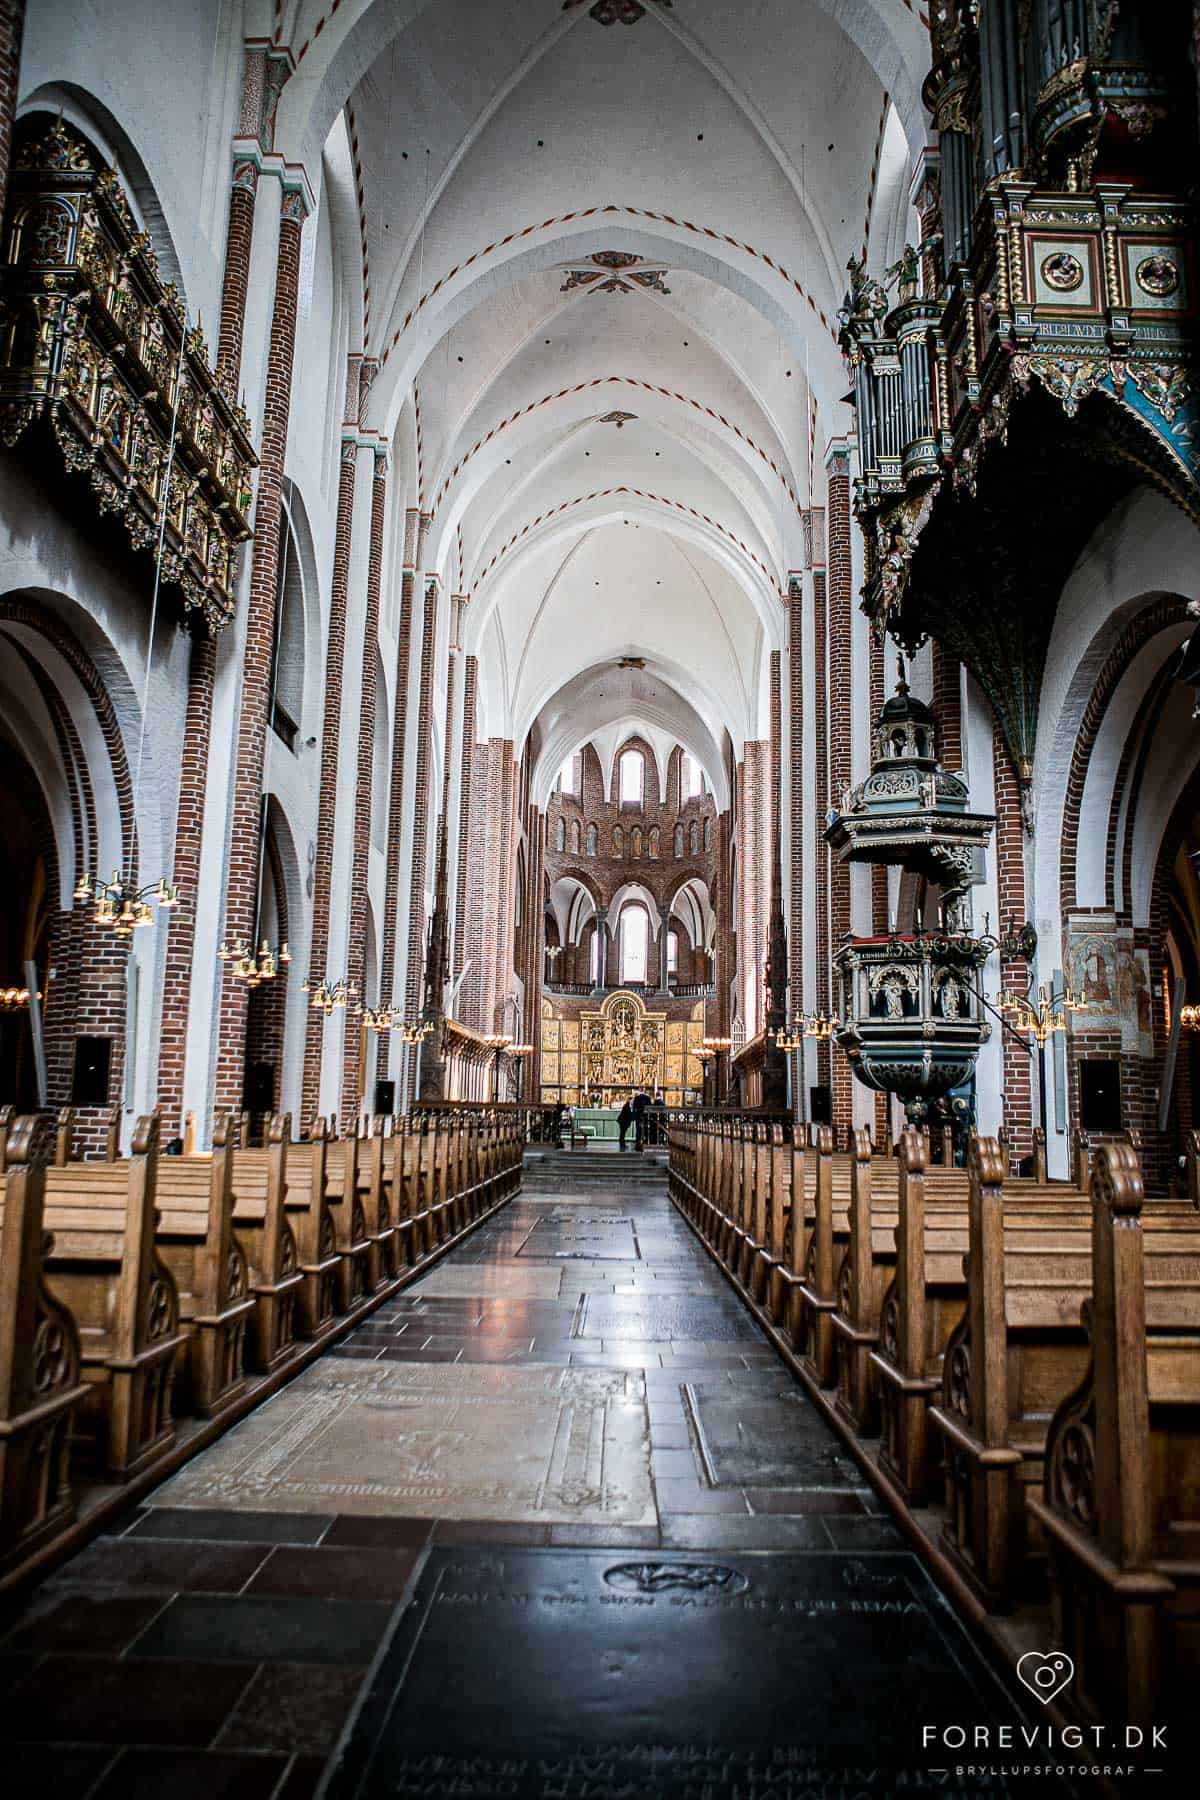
(657, 1318)
(539, 1673)
(570, 1235)
(533, 1444)
(755, 1437)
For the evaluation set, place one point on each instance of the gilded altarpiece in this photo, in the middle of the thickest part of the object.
(620, 1047)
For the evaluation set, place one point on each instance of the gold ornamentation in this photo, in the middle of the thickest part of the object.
(1063, 272)
(1165, 385)
(96, 343)
(1157, 275)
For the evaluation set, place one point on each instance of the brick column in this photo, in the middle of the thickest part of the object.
(391, 899)
(331, 731)
(879, 874)
(794, 873)
(12, 27)
(820, 659)
(467, 754)
(357, 941)
(1010, 887)
(422, 802)
(841, 600)
(202, 676)
(239, 242)
(242, 892)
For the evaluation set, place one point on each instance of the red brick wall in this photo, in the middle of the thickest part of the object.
(242, 891)
(841, 583)
(794, 875)
(1010, 879)
(947, 704)
(820, 659)
(180, 924)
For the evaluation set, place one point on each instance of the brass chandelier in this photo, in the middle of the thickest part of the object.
(121, 905)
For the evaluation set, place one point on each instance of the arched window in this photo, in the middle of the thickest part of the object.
(593, 840)
(576, 836)
(672, 952)
(653, 842)
(635, 938)
(618, 841)
(635, 841)
(560, 836)
(566, 777)
(287, 670)
(519, 899)
(691, 777)
(633, 777)
(679, 840)
(694, 838)
(707, 835)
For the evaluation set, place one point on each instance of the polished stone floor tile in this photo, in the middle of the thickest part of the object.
(252, 1628)
(61, 1771)
(239, 1527)
(166, 1567)
(345, 1572)
(64, 1617)
(102, 1700)
(183, 1775)
(296, 1707)
(378, 1531)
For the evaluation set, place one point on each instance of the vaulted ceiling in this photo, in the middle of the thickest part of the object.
(601, 263)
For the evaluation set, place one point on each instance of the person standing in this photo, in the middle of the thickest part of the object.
(625, 1119)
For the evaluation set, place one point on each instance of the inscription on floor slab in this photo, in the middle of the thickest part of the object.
(515, 1284)
(764, 1439)
(657, 1318)
(469, 1442)
(537, 1673)
(558, 1235)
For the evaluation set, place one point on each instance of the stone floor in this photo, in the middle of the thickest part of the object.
(468, 1550)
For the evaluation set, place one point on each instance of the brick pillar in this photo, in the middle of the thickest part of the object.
(467, 753)
(357, 941)
(947, 704)
(331, 731)
(180, 924)
(879, 874)
(202, 676)
(820, 658)
(535, 959)
(505, 885)
(391, 898)
(422, 802)
(794, 874)
(242, 892)
(1010, 885)
(239, 241)
(12, 27)
(473, 829)
(841, 600)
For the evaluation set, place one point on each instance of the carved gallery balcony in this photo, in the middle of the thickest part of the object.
(1080, 294)
(95, 343)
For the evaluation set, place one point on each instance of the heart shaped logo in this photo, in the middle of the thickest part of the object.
(1045, 1675)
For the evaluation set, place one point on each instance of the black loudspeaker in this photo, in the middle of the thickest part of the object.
(89, 1078)
(258, 1094)
(820, 1105)
(385, 1097)
(1100, 1093)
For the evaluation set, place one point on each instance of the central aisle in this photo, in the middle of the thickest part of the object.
(556, 1521)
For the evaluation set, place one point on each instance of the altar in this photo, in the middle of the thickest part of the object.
(604, 1056)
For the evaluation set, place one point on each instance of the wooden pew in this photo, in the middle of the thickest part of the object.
(196, 1240)
(1120, 1504)
(105, 1267)
(260, 1180)
(927, 1297)
(345, 1202)
(40, 1384)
